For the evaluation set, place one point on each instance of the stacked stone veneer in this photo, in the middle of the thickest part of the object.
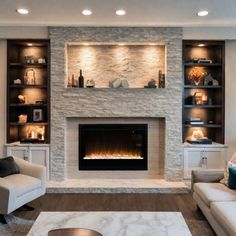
(137, 64)
(103, 103)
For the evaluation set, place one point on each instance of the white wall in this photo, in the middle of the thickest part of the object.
(23, 32)
(230, 96)
(217, 33)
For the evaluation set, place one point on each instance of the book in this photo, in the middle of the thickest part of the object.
(200, 141)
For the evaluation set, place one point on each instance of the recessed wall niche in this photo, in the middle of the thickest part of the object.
(106, 62)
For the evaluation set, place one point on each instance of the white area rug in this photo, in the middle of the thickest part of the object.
(114, 223)
(15, 226)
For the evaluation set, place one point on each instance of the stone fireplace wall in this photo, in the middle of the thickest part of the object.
(117, 103)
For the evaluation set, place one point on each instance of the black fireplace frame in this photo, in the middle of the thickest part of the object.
(107, 164)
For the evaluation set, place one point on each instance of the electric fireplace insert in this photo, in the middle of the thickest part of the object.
(113, 146)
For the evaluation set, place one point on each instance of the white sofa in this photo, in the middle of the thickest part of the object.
(216, 201)
(18, 189)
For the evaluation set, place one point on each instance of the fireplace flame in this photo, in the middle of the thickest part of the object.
(113, 155)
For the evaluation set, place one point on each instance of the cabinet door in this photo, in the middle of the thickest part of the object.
(40, 156)
(192, 161)
(21, 152)
(215, 158)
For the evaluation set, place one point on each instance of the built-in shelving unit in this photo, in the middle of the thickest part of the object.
(204, 89)
(28, 91)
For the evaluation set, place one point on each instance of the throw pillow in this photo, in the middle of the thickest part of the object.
(231, 163)
(232, 177)
(8, 167)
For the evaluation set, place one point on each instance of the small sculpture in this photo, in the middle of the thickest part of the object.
(151, 84)
(17, 81)
(21, 98)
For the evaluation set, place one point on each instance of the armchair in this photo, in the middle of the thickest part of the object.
(18, 189)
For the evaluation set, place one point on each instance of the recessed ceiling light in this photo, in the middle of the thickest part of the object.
(120, 12)
(29, 44)
(201, 45)
(22, 11)
(202, 13)
(86, 12)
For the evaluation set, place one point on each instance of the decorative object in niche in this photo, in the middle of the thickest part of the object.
(41, 60)
(196, 74)
(29, 60)
(161, 79)
(201, 60)
(151, 84)
(29, 77)
(198, 137)
(117, 83)
(17, 81)
(199, 98)
(22, 118)
(81, 79)
(74, 82)
(90, 83)
(21, 99)
(37, 115)
(124, 83)
(209, 80)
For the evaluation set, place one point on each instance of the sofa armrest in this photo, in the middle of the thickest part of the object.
(7, 196)
(34, 170)
(206, 176)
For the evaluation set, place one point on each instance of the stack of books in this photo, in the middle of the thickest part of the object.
(194, 121)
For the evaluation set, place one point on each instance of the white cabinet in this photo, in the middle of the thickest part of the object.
(34, 153)
(212, 156)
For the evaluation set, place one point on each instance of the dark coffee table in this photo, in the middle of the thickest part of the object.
(73, 232)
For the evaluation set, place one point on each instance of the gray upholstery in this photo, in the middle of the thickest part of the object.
(18, 189)
(216, 201)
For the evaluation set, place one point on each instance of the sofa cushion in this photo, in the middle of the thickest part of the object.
(23, 183)
(8, 167)
(225, 214)
(232, 177)
(211, 192)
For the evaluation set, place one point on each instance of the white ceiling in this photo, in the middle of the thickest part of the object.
(139, 13)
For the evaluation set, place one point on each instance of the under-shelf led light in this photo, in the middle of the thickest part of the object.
(201, 45)
(29, 44)
(22, 11)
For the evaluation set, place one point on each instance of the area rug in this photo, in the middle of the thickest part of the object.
(15, 226)
(114, 223)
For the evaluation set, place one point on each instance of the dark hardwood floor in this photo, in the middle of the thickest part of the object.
(184, 203)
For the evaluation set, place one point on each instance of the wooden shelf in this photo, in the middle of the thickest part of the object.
(202, 106)
(28, 123)
(202, 86)
(34, 65)
(27, 86)
(203, 64)
(27, 105)
(204, 125)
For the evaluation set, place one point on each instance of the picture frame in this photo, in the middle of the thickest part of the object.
(37, 115)
(29, 77)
